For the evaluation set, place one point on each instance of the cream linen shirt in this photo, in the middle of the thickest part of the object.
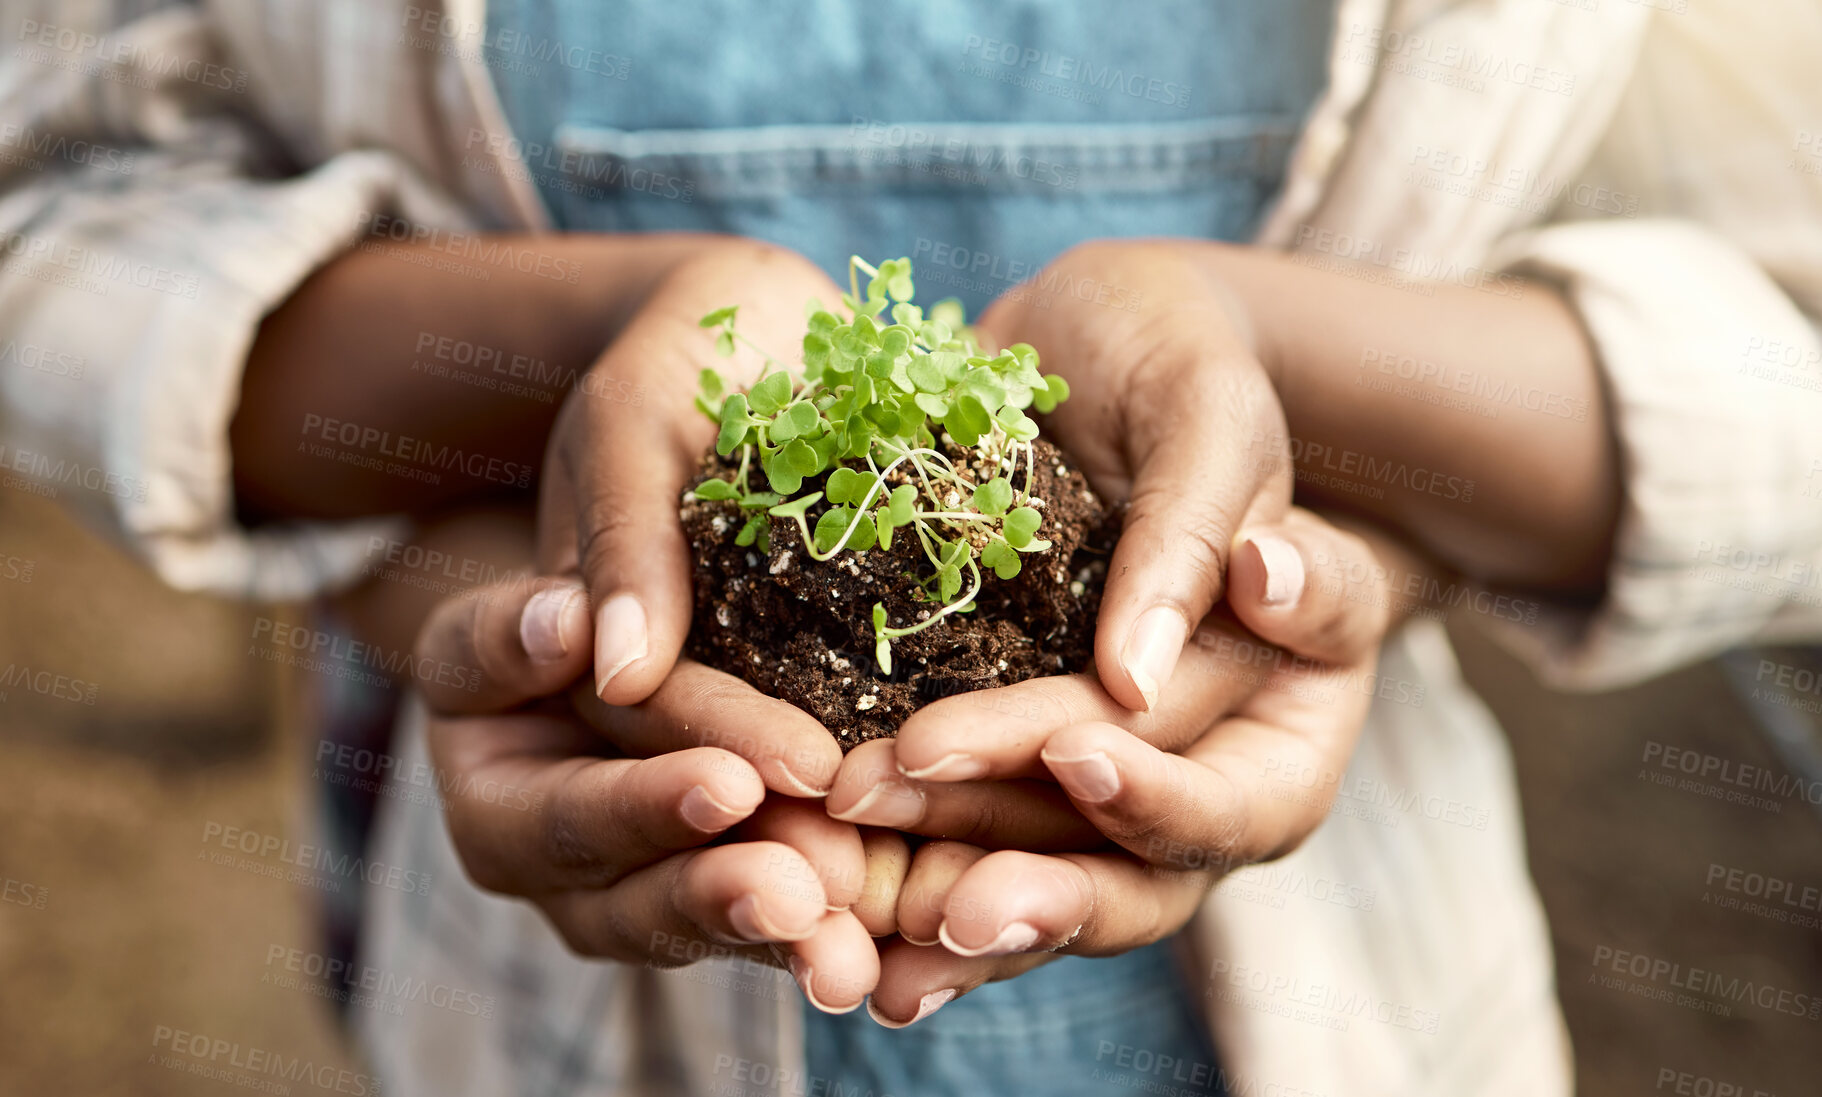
(170, 172)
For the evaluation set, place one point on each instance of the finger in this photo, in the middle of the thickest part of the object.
(1309, 588)
(998, 733)
(837, 967)
(934, 869)
(746, 893)
(1193, 487)
(1088, 904)
(526, 822)
(625, 466)
(616, 474)
(700, 706)
(833, 849)
(1012, 901)
(917, 980)
(494, 648)
(870, 790)
(888, 860)
(1231, 799)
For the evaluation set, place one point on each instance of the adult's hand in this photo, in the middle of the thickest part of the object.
(637, 837)
(1233, 797)
(1171, 412)
(615, 468)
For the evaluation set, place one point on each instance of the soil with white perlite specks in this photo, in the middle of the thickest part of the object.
(802, 630)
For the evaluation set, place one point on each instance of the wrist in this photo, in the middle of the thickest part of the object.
(1256, 301)
(619, 274)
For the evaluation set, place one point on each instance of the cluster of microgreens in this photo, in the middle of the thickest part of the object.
(872, 399)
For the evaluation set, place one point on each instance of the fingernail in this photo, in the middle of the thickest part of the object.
(752, 925)
(706, 813)
(926, 1005)
(553, 614)
(1152, 649)
(1283, 569)
(619, 637)
(1016, 937)
(1092, 779)
(802, 973)
(950, 767)
(802, 787)
(888, 804)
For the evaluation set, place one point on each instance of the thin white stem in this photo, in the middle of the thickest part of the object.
(923, 538)
(879, 481)
(973, 571)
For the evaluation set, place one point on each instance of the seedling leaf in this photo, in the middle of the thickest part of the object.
(904, 502)
(993, 497)
(1054, 392)
(733, 424)
(999, 556)
(848, 486)
(771, 393)
(1020, 525)
(779, 472)
(796, 507)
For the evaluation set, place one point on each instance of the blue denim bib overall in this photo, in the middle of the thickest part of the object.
(981, 139)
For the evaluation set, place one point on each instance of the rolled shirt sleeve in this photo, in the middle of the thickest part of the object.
(145, 231)
(1714, 380)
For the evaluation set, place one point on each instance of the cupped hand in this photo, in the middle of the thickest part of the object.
(1181, 820)
(1171, 412)
(645, 833)
(615, 469)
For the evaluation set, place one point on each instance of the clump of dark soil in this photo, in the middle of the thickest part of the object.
(802, 630)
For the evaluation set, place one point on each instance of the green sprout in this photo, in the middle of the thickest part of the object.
(874, 398)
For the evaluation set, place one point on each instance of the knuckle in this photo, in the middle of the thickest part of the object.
(449, 637)
(569, 842)
(609, 936)
(608, 524)
(1222, 828)
(484, 645)
(718, 696)
(984, 825)
(483, 869)
(631, 808)
(1194, 533)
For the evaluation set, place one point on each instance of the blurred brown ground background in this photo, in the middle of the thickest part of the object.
(103, 807)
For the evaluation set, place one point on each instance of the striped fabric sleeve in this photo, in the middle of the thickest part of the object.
(147, 224)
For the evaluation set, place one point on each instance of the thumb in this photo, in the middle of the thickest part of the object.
(491, 649)
(609, 511)
(1311, 588)
(1198, 478)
